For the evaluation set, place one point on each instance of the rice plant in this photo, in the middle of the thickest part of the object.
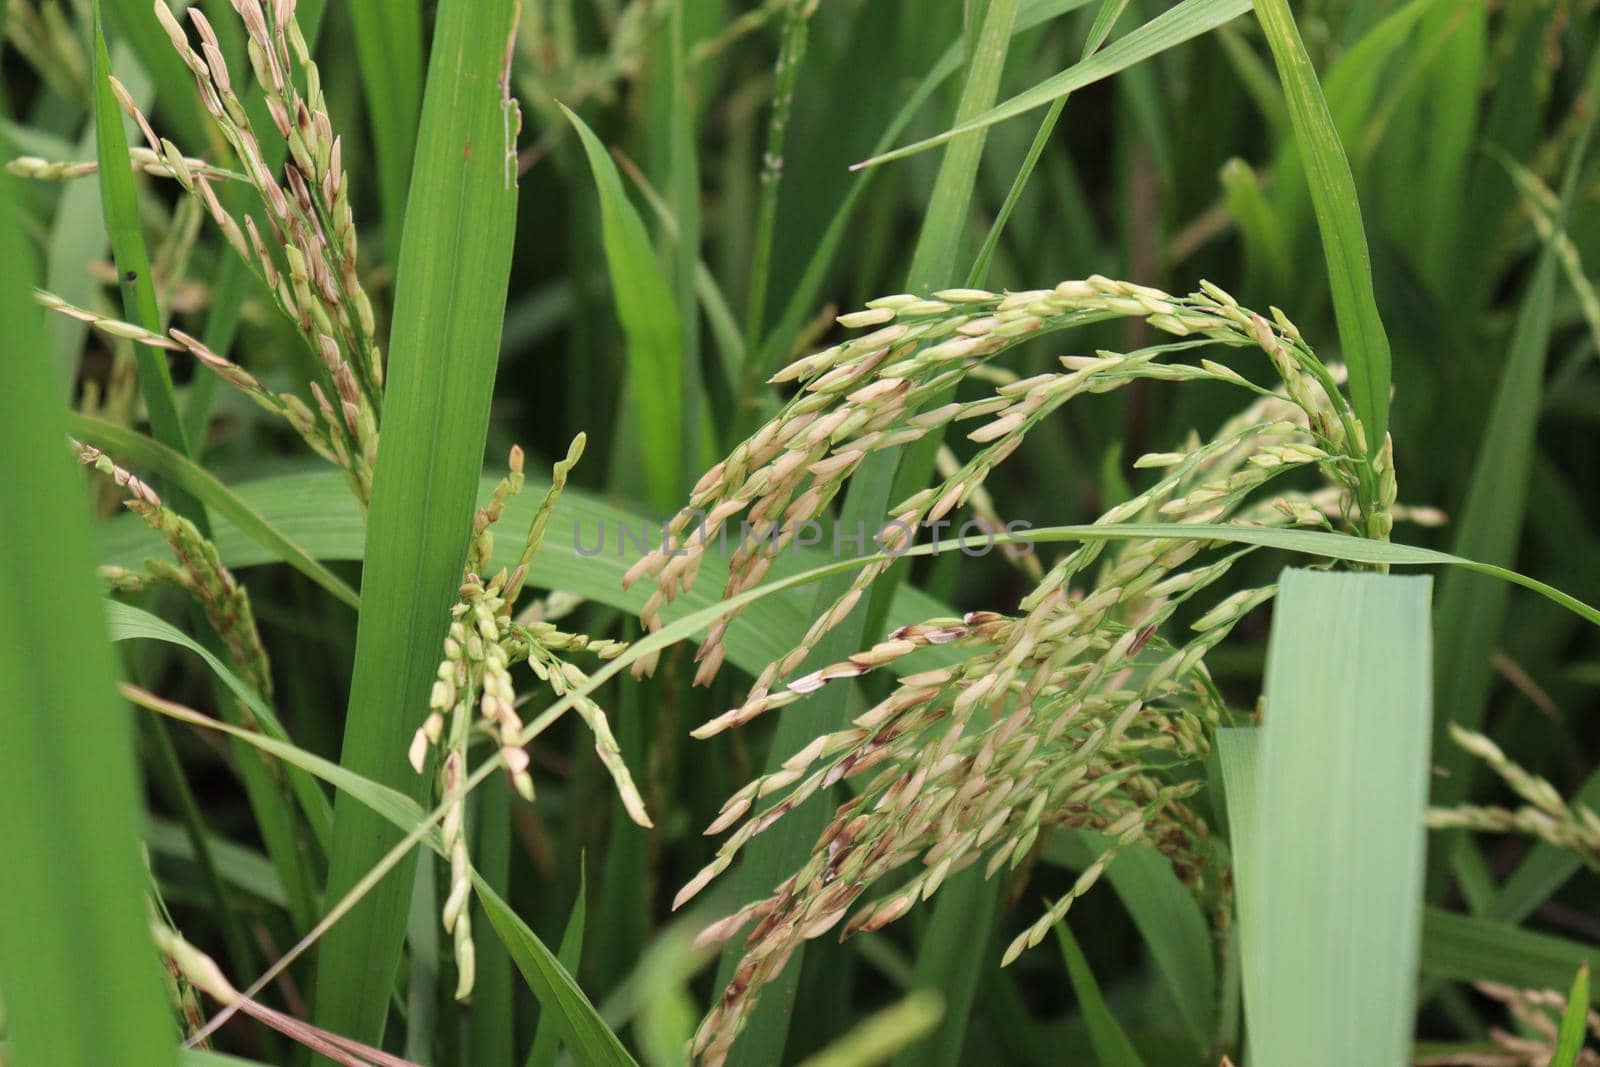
(554, 607)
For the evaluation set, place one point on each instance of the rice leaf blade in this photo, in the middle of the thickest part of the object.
(1106, 1036)
(1362, 338)
(73, 793)
(650, 320)
(1328, 839)
(455, 260)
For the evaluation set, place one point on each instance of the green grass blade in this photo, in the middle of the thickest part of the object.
(1574, 1022)
(1106, 1036)
(120, 202)
(200, 483)
(455, 260)
(1328, 839)
(1182, 22)
(650, 320)
(315, 510)
(1167, 917)
(388, 43)
(546, 1037)
(1489, 524)
(791, 55)
(66, 748)
(128, 623)
(563, 1003)
(1362, 338)
(1465, 949)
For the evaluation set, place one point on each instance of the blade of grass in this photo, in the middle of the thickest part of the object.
(128, 623)
(1489, 524)
(306, 508)
(66, 750)
(1362, 339)
(1328, 838)
(1167, 917)
(546, 1036)
(455, 260)
(1574, 1022)
(1180, 23)
(561, 1001)
(1111, 1045)
(650, 320)
(77, 233)
(491, 1016)
(1466, 949)
(388, 43)
(194, 479)
(119, 201)
(694, 453)
(1105, 18)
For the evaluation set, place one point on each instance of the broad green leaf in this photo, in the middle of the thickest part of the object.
(650, 320)
(455, 260)
(315, 510)
(66, 750)
(1362, 338)
(1111, 1045)
(1328, 838)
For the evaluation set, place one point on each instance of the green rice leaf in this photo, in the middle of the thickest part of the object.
(1466, 949)
(120, 203)
(1574, 1022)
(1362, 338)
(1167, 917)
(66, 750)
(1111, 1045)
(650, 319)
(455, 260)
(128, 623)
(388, 44)
(546, 1038)
(1182, 22)
(1489, 524)
(1327, 837)
(563, 1003)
